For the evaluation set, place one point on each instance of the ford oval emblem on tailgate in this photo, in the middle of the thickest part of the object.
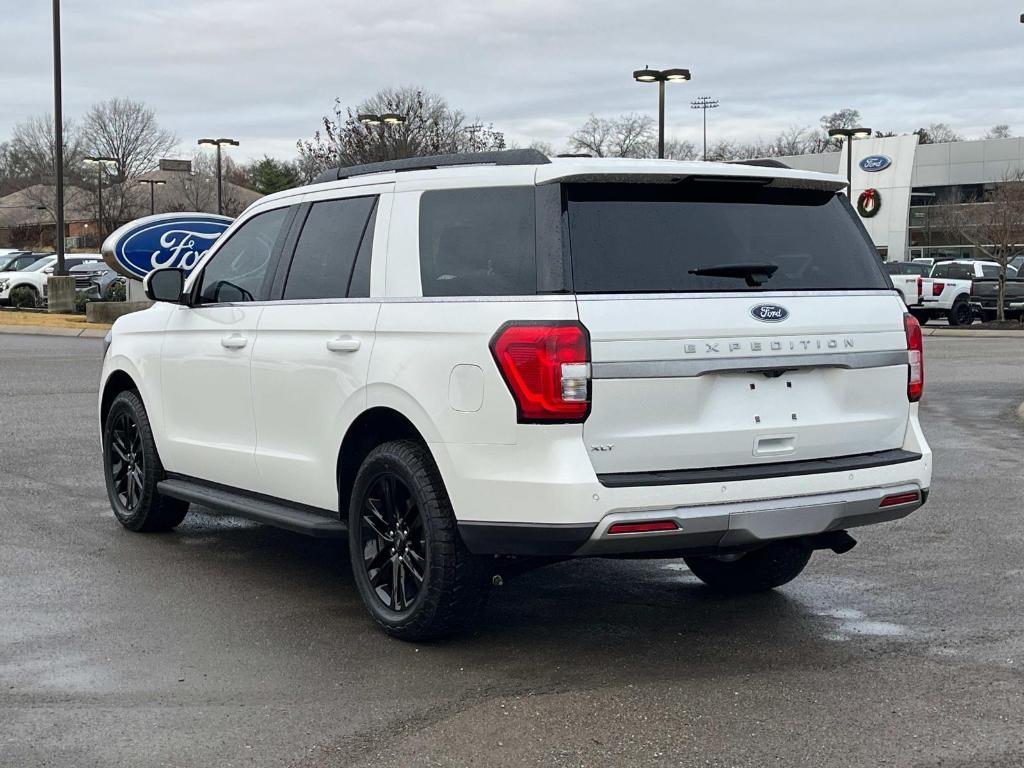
(769, 313)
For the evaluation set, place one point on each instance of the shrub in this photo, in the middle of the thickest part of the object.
(116, 291)
(23, 296)
(81, 299)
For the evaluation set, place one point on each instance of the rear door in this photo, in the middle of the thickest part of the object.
(733, 324)
(310, 363)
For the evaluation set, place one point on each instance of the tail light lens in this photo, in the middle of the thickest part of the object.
(547, 369)
(937, 288)
(915, 352)
(920, 286)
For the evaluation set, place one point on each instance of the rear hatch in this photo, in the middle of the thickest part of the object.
(733, 324)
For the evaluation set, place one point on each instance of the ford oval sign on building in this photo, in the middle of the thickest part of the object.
(875, 163)
(163, 240)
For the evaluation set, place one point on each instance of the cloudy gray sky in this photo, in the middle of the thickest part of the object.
(264, 71)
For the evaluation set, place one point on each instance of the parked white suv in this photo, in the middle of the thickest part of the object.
(471, 364)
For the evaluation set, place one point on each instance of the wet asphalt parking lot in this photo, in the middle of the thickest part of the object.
(226, 643)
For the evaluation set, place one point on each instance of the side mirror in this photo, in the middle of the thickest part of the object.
(166, 285)
(48, 271)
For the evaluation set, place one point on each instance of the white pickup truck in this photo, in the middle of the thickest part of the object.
(947, 291)
(908, 278)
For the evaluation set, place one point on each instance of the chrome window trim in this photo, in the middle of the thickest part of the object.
(759, 295)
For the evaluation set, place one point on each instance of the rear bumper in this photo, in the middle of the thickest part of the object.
(700, 529)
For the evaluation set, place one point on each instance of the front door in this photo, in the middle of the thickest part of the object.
(205, 364)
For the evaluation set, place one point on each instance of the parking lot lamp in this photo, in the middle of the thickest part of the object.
(153, 183)
(849, 134)
(661, 76)
(218, 143)
(101, 167)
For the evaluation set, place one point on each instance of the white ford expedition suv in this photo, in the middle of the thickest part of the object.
(470, 364)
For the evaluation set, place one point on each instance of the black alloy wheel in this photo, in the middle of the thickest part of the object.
(127, 461)
(394, 542)
(961, 313)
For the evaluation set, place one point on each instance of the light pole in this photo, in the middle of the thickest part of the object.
(849, 134)
(704, 103)
(661, 76)
(218, 143)
(101, 167)
(58, 141)
(153, 183)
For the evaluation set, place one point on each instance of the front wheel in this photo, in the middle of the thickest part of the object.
(770, 566)
(132, 469)
(413, 573)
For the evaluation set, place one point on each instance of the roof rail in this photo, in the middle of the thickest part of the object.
(504, 157)
(767, 162)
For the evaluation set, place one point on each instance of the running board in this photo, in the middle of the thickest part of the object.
(281, 514)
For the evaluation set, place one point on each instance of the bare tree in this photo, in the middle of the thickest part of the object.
(680, 149)
(31, 151)
(197, 191)
(938, 133)
(1001, 131)
(431, 127)
(628, 135)
(992, 223)
(127, 131)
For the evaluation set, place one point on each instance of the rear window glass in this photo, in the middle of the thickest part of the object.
(478, 242)
(713, 236)
(990, 270)
(906, 268)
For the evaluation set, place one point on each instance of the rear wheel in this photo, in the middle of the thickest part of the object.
(766, 568)
(961, 313)
(132, 469)
(414, 574)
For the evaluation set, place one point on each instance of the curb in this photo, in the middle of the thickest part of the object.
(973, 334)
(42, 330)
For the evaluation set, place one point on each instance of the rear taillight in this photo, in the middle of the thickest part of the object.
(915, 355)
(547, 369)
(937, 288)
(920, 286)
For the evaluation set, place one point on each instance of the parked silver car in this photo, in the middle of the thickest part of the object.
(95, 280)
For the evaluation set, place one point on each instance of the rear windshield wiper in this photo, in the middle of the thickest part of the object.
(754, 274)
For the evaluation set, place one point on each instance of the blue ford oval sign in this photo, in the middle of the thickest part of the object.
(163, 240)
(875, 163)
(769, 313)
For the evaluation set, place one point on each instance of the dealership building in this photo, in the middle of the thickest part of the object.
(896, 182)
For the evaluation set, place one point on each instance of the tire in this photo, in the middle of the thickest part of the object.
(922, 316)
(759, 571)
(37, 300)
(961, 313)
(128, 437)
(399, 502)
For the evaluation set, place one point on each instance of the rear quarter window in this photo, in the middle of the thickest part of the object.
(478, 242)
(652, 238)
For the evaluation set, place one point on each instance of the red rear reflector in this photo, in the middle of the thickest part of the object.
(900, 498)
(547, 369)
(651, 527)
(937, 288)
(915, 356)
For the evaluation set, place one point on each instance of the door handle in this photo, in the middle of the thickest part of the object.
(344, 344)
(234, 341)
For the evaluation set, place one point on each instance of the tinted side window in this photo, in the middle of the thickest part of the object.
(478, 242)
(940, 270)
(238, 269)
(325, 254)
(990, 270)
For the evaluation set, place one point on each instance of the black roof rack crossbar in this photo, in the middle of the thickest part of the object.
(504, 157)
